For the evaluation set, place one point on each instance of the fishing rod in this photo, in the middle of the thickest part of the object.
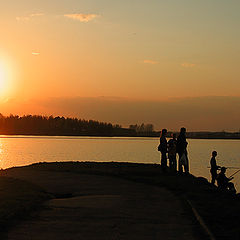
(233, 167)
(230, 167)
(235, 173)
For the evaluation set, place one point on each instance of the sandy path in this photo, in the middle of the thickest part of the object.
(103, 208)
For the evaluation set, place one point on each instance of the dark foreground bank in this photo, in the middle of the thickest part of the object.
(18, 199)
(220, 211)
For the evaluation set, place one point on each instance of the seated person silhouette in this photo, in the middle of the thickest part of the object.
(223, 182)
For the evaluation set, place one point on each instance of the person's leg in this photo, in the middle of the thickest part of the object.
(186, 167)
(214, 177)
(170, 156)
(164, 161)
(174, 163)
(180, 168)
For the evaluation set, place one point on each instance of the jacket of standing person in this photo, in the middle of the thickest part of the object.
(172, 150)
(163, 149)
(182, 142)
(182, 150)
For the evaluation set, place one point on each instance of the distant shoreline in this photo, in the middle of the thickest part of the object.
(37, 125)
(229, 137)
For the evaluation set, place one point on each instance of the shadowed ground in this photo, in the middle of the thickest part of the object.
(88, 200)
(102, 207)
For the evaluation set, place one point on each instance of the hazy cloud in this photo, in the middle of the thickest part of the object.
(27, 18)
(35, 53)
(81, 17)
(188, 65)
(36, 14)
(150, 62)
(22, 18)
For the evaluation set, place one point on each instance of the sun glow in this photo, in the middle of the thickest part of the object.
(4, 79)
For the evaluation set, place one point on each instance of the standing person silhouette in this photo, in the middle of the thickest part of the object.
(172, 149)
(214, 167)
(163, 149)
(182, 151)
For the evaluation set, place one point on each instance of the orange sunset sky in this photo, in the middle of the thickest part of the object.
(170, 63)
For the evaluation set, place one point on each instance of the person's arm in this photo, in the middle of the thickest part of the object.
(231, 178)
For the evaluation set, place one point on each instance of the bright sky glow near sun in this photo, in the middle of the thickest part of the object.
(4, 79)
(154, 50)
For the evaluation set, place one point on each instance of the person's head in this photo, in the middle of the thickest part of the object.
(163, 132)
(174, 135)
(223, 169)
(183, 130)
(214, 153)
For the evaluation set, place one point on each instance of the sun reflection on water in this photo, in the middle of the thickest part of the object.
(1, 147)
(1, 152)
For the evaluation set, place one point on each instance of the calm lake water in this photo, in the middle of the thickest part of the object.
(22, 150)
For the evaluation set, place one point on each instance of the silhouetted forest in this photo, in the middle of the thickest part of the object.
(61, 126)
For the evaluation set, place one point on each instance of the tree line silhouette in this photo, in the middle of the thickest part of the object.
(61, 126)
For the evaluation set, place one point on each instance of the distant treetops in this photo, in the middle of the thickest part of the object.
(49, 125)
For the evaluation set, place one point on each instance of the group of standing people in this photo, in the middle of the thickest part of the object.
(178, 146)
(170, 149)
